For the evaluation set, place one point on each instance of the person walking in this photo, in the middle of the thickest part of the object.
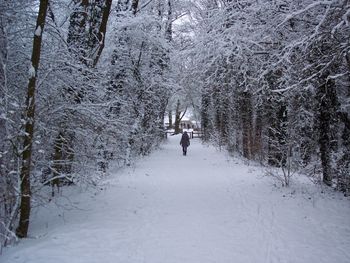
(185, 142)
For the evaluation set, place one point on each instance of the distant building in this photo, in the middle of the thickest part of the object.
(187, 124)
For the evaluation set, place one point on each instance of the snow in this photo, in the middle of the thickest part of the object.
(31, 71)
(38, 31)
(201, 208)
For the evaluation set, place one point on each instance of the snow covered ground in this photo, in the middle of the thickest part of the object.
(200, 208)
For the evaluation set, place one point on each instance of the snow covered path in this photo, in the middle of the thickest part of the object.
(202, 208)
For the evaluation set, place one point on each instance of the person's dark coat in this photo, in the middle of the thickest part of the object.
(185, 140)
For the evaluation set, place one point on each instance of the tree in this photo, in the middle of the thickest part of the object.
(179, 114)
(327, 107)
(272, 58)
(88, 107)
(22, 229)
(87, 29)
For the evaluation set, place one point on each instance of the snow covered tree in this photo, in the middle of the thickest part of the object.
(29, 119)
(285, 55)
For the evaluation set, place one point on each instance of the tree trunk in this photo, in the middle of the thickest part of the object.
(324, 128)
(327, 100)
(170, 116)
(205, 118)
(178, 117)
(22, 228)
(77, 32)
(257, 148)
(134, 5)
(247, 126)
(169, 23)
(103, 30)
(57, 162)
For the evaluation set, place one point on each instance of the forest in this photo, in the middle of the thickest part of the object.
(85, 84)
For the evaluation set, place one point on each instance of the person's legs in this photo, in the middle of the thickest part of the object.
(184, 150)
